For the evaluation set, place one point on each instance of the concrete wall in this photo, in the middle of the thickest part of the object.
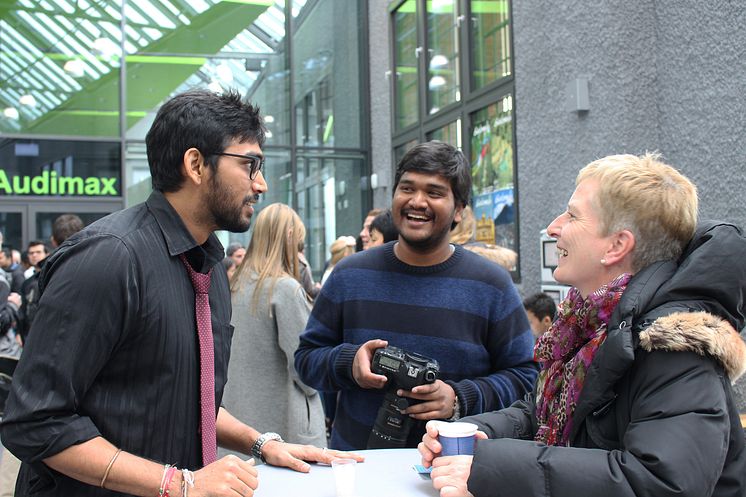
(666, 76)
(380, 100)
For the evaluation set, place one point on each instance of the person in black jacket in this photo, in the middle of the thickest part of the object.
(634, 395)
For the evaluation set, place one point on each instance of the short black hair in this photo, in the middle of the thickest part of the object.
(541, 305)
(34, 243)
(65, 226)
(384, 224)
(436, 157)
(198, 119)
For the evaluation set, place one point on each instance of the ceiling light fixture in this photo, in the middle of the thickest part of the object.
(28, 100)
(75, 68)
(11, 113)
(438, 60)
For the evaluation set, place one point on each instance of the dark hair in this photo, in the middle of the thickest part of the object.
(384, 224)
(198, 119)
(228, 263)
(65, 226)
(541, 305)
(34, 243)
(436, 157)
(232, 248)
(8, 252)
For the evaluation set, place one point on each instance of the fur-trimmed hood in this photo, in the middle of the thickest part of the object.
(698, 332)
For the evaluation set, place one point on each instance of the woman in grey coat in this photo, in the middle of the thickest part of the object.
(270, 310)
(634, 394)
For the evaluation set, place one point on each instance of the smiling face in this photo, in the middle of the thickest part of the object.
(580, 245)
(423, 210)
(231, 192)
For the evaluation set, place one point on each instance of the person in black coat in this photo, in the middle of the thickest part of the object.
(634, 394)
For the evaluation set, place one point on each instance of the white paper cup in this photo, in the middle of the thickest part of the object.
(344, 476)
(457, 438)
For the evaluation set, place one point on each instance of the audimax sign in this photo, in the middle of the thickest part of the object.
(50, 183)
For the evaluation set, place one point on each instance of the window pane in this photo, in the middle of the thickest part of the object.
(330, 204)
(450, 133)
(403, 149)
(326, 71)
(45, 220)
(492, 169)
(490, 41)
(405, 60)
(443, 62)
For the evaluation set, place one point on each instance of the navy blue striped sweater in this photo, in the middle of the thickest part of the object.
(464, 312)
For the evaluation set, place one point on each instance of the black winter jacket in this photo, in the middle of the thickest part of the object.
(656, 417)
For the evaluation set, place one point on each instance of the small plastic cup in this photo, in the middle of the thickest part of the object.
(457, 438)
(344, 476)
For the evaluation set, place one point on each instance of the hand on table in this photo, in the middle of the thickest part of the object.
(294, 456)
(361, 372)
(228, 476)
(430, 448)
(438, 400)
(450, 475)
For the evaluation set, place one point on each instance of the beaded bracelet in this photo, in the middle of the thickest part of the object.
(168, 474)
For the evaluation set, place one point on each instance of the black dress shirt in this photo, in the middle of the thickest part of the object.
(113, 349)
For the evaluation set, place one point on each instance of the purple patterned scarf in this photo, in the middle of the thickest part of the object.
(565, 352)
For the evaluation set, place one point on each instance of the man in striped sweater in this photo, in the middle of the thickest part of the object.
(423, 295)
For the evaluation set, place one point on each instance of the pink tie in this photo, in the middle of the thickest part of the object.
(201, 284)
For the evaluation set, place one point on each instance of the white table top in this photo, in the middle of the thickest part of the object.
(385, 473)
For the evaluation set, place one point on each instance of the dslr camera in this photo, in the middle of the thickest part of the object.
(404, 370)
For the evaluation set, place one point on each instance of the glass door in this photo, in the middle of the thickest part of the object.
(13, 225)
(42, 215)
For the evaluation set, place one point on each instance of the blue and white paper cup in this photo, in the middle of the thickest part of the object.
(457, 438)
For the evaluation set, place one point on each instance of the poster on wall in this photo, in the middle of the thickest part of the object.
(493, 172)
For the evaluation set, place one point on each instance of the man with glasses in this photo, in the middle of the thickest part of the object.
(114, 394)
(423, 295)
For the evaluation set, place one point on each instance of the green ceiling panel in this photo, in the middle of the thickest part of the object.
(151, 75)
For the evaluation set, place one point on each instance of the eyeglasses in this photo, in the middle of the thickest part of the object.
(255, 162)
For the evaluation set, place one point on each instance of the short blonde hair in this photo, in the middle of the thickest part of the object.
(651, 199)
(503, 256)
(466, 230)
(341, 248)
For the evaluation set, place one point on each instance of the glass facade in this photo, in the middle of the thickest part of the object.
(406, 53)
(443, 79)
(80, 83)
(461, 93)
(490, 41)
